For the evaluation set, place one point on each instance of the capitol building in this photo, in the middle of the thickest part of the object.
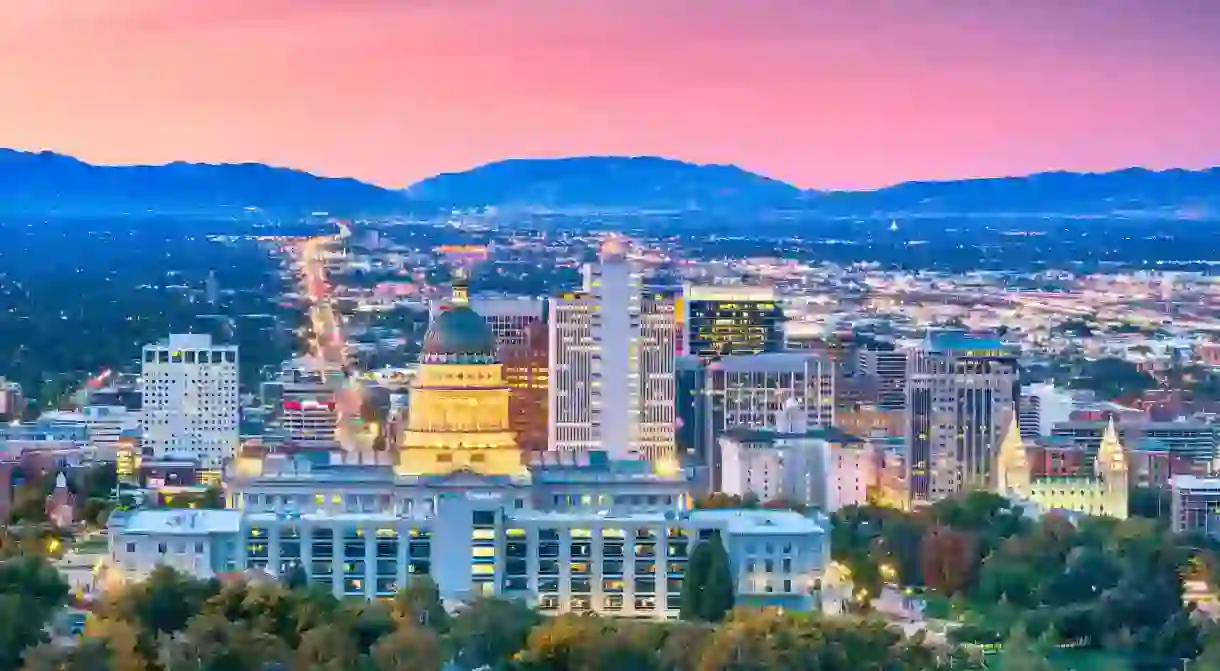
(457, 501)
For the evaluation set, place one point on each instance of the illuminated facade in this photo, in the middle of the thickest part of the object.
(721, 321)
(459, 412)
(1104, 492)
(189, 395)
(960, 389)
(566, 532)
(520, 329)
(613, 350)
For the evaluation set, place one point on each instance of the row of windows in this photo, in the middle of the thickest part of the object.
(190, 356)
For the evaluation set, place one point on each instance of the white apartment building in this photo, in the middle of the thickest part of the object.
(190, 399)
(820, 468)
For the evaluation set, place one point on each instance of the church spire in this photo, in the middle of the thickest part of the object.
(1013, 462)
(1111, 458)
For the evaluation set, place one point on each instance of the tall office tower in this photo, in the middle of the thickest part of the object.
(659, 340)
(1029, 421)
(572, 404)
(885, 366)
(961, 389)
(690, 408)
(764, 391)
(611, 365)
(190, 399)
(728, 320)
(519, 325)
(614, 285)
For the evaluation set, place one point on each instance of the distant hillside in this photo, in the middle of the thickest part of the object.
(661, 184)
(608, 182)
(47, 182)
(51, 183)
(1186, 193)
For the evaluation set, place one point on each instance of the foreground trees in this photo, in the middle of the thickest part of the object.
(171, 622)
(1096, 582)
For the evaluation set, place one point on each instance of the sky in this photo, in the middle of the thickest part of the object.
(822, 93)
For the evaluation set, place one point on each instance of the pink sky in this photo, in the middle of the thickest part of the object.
(822, 93)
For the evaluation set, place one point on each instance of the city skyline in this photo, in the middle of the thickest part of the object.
(828, 96)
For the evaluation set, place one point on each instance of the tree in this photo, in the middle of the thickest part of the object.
(1021, 654)
(163, 603)
(296, 578)
(408, 648)
(17, 631)
(122, 641)
(487, 632)
(420, 602)
(90, 654)
(707, 586)
(327, 648)
(212, 643)
(948, 559)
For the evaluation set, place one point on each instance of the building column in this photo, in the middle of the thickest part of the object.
(370, 562)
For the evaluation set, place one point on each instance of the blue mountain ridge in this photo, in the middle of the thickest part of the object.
(47, 182)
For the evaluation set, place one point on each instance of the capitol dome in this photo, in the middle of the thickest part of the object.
(459, 335)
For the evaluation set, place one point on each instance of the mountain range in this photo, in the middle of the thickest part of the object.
(48, 183)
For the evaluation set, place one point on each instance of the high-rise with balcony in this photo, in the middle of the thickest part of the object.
(961, 390)
(190, 399)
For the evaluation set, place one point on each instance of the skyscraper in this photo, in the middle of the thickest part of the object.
(658, 341)
(727, 320)
(612, 353)
(961, 389)
(572, 404)
(190, 399)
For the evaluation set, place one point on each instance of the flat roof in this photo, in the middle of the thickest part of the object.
(184, 522)
(765, 362)
(1195, 482)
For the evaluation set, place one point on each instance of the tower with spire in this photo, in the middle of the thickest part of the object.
(1103, 492)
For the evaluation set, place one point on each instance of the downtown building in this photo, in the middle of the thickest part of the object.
(456, 501)
(613, 348)
(961, 391)
(189, 389)
(731, 320)
(519, 324)
(758, 391)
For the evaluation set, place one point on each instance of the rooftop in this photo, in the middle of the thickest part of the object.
(752, 435)
(948, 340)
(766, 362)
(185, 522)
